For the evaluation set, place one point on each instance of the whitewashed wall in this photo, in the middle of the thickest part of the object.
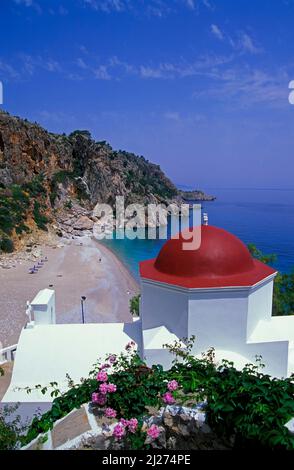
(259, 305)
(164, 305)
(221, 318)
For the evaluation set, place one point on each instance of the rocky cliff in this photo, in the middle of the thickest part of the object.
(42, 174)
(76, 165)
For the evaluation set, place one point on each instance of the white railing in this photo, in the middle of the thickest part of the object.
(7, 354)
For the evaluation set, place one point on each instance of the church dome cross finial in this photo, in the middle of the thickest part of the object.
(205, 218)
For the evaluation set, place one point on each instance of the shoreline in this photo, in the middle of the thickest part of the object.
(121, 262)
(81, 266)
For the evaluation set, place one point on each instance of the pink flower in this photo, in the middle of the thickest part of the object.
(110, 413)
(172, 385)
(132, 425)
(98, 398)
(124, 422)
(103, 388)
(153, 431)
(111, 388)
(130, 345)
(104, 366)
(112, 359)
(95, 397)
(102, 400)
(102, 376)
(118, 431)
(168, 398)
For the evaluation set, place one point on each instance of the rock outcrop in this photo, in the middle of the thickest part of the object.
(196, 195)
(44, 175)
(181, 428)
(76, 165)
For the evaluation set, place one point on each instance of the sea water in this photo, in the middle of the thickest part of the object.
(264, 217)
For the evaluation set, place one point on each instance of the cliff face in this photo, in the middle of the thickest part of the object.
(47, 177)
(76, 165)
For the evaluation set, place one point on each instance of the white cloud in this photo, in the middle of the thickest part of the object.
(247, 44)
(157, 8)
(243, 87)
(190, 4)
(101, 73)
(184, 119)
(55, 117)
(208, 4)
(81, 63)
(241, 41)
(182, 69)
(24, 66)
(149, 72)
(216, 32)
(114, 68)
(29, 64)
(7, 71)
(108, 5)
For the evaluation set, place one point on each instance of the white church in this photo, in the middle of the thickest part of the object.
(218, 293)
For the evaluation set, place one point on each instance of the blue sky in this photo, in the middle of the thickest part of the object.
(198, 86)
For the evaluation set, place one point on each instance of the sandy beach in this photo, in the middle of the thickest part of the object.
(80, 267)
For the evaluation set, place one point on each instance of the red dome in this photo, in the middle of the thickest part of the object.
(221, 260)
(220, 254)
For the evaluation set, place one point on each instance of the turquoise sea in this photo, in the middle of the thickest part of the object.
(264, 217)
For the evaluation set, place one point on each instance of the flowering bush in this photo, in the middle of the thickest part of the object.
(135, 436)
(102, 376)
(119, 431)
(172, 385)
(110, 413)
(103, 388)
(247, 404)
(153, 431)
(132, 425)
(99, 398)
(111, 388)
(168, 398)
(112, 359)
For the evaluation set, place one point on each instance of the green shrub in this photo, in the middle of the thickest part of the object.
(10, 428)
(40, 219)
(6, 218)
(283, 294)
(36, 186)
(6, 245)
(247, 405)
(82, 133)
(15, 202)
(62, 176)
(22, 228)
(135, 305)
